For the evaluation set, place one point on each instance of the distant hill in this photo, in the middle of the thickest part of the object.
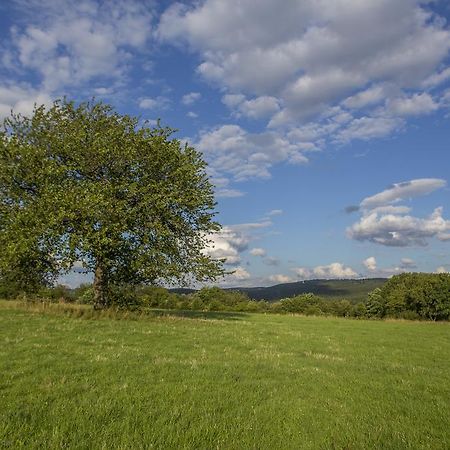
(353, 290)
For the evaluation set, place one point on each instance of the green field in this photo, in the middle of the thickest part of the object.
(221, 380)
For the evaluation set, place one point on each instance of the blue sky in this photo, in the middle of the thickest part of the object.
(325, 123)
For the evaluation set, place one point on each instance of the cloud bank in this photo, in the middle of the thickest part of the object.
(383, 223)
(328, 72)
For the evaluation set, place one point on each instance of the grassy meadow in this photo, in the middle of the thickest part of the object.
(220, 380)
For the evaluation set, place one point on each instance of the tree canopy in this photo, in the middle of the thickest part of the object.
(82, 183)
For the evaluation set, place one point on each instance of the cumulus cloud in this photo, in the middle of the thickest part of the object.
(328, 72)
(399, 230)
(442, 269)
(334, 270)
(233, 240)
(71, 48)
(67, 44)
(280, 278)
(156, 103)
(191, 98)
(228, 244)
(406, 265)
(416, 105)
(317, 53)
(240, 273)
(383, 223)
(366, 128)
(370, 96)
(437, 78)
(256, 108)
(229, 193)
(370, 263)
(233, 151)
(21, 98)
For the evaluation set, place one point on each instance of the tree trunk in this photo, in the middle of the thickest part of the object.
(99, 286)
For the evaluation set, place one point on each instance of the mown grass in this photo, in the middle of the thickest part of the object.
(220, 380)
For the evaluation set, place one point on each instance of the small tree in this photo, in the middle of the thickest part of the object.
(84, 183)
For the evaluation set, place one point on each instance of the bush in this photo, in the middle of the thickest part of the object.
(84, 294)
(216, 299)
(301, 303)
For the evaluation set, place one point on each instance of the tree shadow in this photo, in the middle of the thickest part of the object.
(202, 315)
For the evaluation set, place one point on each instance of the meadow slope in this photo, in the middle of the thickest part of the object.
(221, 380)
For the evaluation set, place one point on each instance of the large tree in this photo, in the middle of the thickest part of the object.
(84, 183)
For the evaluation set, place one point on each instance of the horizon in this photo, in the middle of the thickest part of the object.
(327, 139)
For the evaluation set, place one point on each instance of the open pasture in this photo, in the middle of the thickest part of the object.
(221, 380)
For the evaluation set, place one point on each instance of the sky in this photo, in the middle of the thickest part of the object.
(325, 123)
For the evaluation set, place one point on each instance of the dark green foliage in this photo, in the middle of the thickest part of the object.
(375, 304)
(206, 299)
(83, 183)
(57, 293)
(84, 294)
(302, 304)
(412, 296)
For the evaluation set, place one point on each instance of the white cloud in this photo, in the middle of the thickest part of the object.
(334, 270)
(191, 98)
(370, 96)
(403, 191)
(441, 269)
(370, 263)
(103, 90)
(67, 44)
(389, 225)
(317, 53)
(192, 114)
(232, 240)
(229, 193)
(230, 149)
(279, 278)
(228, 244)
(240, 273)
(397, 230)
(21, 98)
(257, 108)
(157, 103)
(406, 265)
(437, 78)
(275, 212)
(366, 128)
(257, 251)
(417, 104)
(328, 72)
(233, 100)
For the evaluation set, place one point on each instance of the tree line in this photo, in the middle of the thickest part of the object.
(415, 296)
